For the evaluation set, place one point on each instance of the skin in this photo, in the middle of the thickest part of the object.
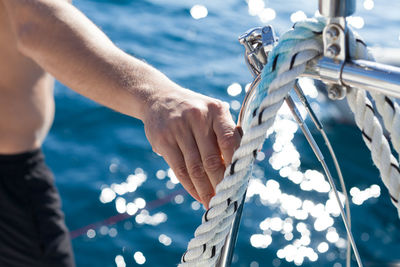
(43, 38)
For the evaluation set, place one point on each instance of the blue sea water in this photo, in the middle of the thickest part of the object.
(121, 202)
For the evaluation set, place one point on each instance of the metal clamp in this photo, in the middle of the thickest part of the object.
(258, 42)
(334, 38)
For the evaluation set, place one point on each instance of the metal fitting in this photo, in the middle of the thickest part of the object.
(332, 51)
(332, 32)
(258, 42)
(336, 92)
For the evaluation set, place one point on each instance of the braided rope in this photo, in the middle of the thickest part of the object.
(371, 128)
(390, 112)
(286, 62)
(387, 107)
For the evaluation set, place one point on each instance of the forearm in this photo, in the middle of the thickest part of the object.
(69, 46)
(194, 133)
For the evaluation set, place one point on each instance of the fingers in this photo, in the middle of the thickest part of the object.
(197, 138)
(213, 162)
(195, 168)
(228, 135)
(173, 156)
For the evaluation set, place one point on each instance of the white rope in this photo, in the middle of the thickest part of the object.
(371, 128)
(387, 107)
(285, 63)
(390, 112)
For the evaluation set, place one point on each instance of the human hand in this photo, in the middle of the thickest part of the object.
(196, 136)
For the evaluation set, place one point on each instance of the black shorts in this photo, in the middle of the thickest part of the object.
(32, 228)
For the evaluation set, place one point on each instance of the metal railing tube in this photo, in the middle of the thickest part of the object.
(372, 76)
(369, 75)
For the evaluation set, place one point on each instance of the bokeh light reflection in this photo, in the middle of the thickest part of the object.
(257, 8)
(301, 221)
(198, 12)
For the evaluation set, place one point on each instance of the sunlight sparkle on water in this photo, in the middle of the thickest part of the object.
(172, 176)
(298, 16)
(308, 87)
(234, 89)
(255, 7)
(332, 236)
(276, 224)
(198, 11)
(145, 218)
(107, 195)
(140, 203)
(323, 247)
(360, 196)
(131, 208)
(247, 87)
(287, 156)
(165, 240)
(235, 105)
(297, 254)
(368, 4)
(120, 205)
(306, 215)
(119, 261)
(179, 199)
(161, 174)
(314, 180)
(288, 236)
(139, 257)
(260, 241)
(341, 243)
(323, 222)
(113, 167)
(195, 205)
(355, 21)
(267, 14)
(112, 232)
(260, 156)
(103, 230)
(170, 185)
(132, 182)
(91, 233)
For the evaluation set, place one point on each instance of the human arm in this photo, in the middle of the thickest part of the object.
(191, 131)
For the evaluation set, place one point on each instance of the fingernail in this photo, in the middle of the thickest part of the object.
(240, 130)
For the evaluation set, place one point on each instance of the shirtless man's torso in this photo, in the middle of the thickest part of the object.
(32, 216)
(26, 96)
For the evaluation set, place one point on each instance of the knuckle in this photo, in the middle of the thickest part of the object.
(196, 171)
(227, 141)
(212, 163)
(216, 105)
(193, 113)
(161, 141)
(181, 171)
(174, 122)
